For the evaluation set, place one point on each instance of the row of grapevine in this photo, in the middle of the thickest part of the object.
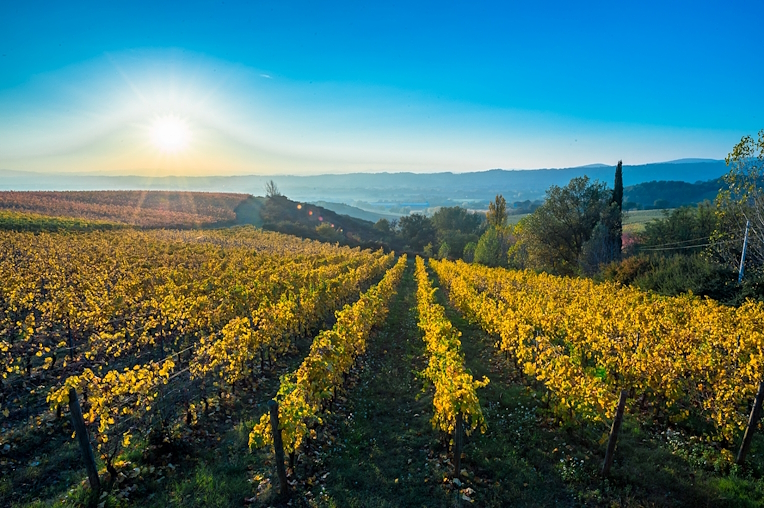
(455, 389)
(59, 290)
(119, 315)
(303, 392)
(585, 341)
(231, 353)
(69, 301)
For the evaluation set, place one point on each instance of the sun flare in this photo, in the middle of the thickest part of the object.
(170, 134)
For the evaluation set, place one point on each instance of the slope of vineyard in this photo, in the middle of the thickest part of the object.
(33, 222)
(148, 325)
(138, 208)
(175, 342)
(304, 392)
(684, 356)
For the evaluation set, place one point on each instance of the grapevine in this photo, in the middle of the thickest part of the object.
(302, 392)
(455, 389)
(587, 341)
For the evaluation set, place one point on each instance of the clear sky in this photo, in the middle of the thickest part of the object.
(281, 87)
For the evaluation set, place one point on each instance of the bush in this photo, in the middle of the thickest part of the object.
(678, 274)
(443, 251)
(627, 271)
(327, 233)
(468, 254)
(456, 241)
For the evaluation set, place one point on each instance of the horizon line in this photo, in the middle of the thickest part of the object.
(688, 160)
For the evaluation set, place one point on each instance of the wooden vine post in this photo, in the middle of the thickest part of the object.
(610, 453)
(82, 436)
(278, 447)
(458, 436)
(753, 419)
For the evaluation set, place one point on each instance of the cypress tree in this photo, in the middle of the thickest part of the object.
(617, 200)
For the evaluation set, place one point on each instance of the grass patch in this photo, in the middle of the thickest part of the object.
(384, 433)
(634, 221)
(36, 223)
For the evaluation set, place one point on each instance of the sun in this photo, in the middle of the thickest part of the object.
(170, 134)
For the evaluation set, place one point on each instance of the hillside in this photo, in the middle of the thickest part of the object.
(136, 208)
(356, 212)
(33, 222)
(318, 223)
(671, 194)
(87, 210)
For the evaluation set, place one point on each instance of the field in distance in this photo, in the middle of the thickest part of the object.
(633, 221)
(135, 208)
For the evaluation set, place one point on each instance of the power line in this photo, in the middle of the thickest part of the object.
(687, 246)
(680, 242)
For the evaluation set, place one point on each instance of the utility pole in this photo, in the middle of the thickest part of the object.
(742, 256)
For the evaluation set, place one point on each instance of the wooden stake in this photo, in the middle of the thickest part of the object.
(753, 419)
(82, 436)
(610, 453)
(458, 433)
(71, 341)
(278, 447)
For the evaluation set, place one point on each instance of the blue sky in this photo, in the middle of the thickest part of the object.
(307, 87)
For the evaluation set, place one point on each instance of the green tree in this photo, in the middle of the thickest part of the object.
(457, 227)
(383, 226)
(468, 254)
(327, 233)
(680, 230)
(553, 236)
(417, 231)
(677, 274)
(443, 251)
(606, 241)
(601, 248)
(491, 249)
(497, 212)
(456, 218)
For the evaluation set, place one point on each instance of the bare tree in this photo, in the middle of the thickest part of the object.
(742, 201)
(271, 189)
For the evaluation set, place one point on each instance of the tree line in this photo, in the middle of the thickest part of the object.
(577, 228)
(578, 231)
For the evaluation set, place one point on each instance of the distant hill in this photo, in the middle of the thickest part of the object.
(318, 223)
(690, 161)
(671, 194)
(475, 189)
(354, 211)
(89, 210)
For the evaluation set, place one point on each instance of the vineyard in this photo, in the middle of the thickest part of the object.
(687, 358)
(149, 209)
(239, 367)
